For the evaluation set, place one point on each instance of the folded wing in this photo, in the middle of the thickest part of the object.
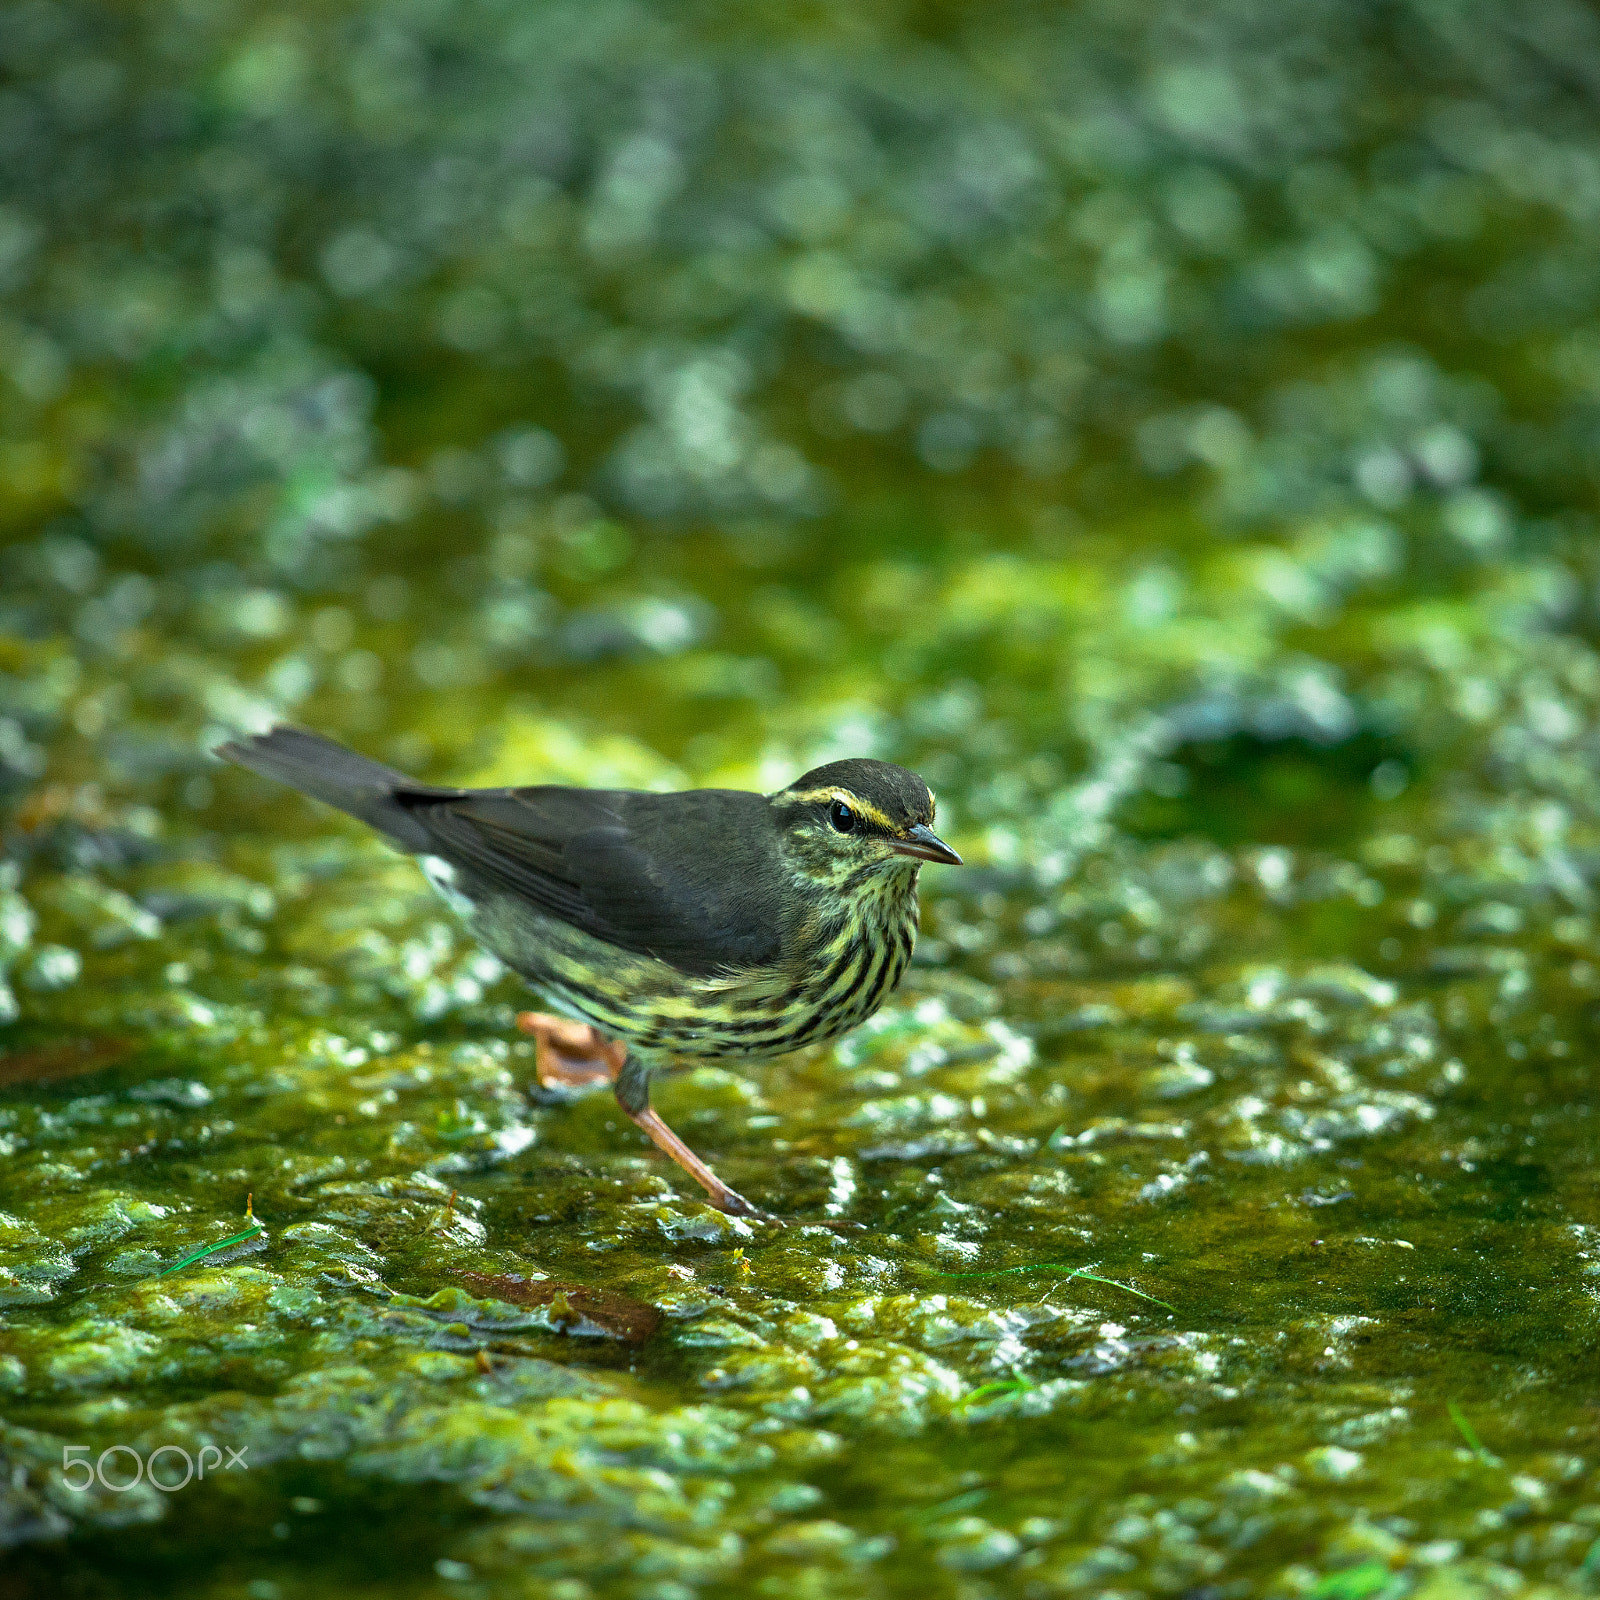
(674, 876)
(686, 877)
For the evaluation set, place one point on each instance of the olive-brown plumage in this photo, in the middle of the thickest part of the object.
(710, 925)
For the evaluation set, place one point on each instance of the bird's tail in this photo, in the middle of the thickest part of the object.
(328, 772)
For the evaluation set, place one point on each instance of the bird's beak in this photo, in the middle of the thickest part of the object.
(923, 843)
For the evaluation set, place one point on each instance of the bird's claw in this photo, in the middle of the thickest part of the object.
(733, 1204)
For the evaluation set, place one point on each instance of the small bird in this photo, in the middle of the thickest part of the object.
(707, 925)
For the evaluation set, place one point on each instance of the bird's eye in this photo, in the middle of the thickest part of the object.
(841, 816)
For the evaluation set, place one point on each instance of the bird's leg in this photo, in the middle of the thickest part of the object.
(633, 1095)
(570, 1053)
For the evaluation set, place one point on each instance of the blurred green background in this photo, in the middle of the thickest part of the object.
(1171, 428)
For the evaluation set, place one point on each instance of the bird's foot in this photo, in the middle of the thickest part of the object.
(570, 1055)
(734, 1204)
(726, 1200)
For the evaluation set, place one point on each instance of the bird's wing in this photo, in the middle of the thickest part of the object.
(687, 881)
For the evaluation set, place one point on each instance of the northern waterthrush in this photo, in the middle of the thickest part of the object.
(708, 925)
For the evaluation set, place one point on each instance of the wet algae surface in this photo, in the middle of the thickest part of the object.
(1169, 428)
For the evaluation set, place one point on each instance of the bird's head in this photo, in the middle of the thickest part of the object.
(851, 823)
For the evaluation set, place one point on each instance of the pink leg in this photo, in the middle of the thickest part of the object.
(665, 1140)
(575, 1053)
(571, 1053)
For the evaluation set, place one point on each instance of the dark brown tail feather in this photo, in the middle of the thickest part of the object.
(328, 772)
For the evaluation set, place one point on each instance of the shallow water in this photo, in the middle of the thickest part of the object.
(1169, 430)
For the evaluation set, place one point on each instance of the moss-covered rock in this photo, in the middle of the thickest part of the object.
(1170, 430)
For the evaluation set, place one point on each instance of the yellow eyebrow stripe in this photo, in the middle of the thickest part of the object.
(864, 807)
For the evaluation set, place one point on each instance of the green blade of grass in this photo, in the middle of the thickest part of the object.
(1071, 1272)
(1354, 1583)
(946, 1508)
(210, 1250)
(1469, 1433)
(988, 1391)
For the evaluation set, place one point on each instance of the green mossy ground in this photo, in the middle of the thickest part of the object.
(1172, 431)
